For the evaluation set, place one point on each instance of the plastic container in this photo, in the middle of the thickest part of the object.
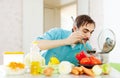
(13, 57)
(13, 63)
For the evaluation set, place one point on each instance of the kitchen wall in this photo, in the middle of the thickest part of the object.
(51, 17)
(59, 15)
(10, 26)
(66, 13)
(32, 22)
(83, 7)
(112, 21)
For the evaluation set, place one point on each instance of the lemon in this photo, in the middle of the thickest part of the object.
(53, 61)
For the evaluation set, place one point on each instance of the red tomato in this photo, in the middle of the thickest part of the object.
(94, 60)
(80, 55)
(85, 60)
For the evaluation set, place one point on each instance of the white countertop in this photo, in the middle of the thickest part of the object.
(113, 74)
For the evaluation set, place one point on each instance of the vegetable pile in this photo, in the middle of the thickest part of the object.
(87, 60)
(55, 66)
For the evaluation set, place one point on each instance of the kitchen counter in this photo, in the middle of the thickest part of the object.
(113, 74)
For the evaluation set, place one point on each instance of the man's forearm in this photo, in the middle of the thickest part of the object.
(48, 44)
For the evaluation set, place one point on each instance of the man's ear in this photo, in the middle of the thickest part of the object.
(75, 28)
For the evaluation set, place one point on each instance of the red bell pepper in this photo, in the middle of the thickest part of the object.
(80, 55)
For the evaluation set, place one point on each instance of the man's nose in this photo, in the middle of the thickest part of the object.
(88, 35)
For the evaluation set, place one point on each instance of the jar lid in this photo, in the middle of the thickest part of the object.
(8, 52)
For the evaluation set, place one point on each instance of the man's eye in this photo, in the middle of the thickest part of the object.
(85, 31)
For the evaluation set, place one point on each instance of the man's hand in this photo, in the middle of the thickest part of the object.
(74, 38)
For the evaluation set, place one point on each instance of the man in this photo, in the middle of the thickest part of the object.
(66, 44)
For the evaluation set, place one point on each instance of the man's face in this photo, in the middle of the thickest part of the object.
(86, 31)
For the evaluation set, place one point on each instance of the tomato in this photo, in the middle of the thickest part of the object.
(91, 60)
(94, 60)
(85, 60)
(88, 60)
(80, 55)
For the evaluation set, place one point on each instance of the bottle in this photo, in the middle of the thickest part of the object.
(35, 59)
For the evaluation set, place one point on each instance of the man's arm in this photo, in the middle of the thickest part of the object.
(74, 38)
(48, 44)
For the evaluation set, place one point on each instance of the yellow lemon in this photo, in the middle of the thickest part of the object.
(53, 61)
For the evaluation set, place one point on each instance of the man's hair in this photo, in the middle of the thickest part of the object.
(81, 20)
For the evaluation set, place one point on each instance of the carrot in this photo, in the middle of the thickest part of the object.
(87, 71)
(75, 71)
(48, 71)
(79, 69)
